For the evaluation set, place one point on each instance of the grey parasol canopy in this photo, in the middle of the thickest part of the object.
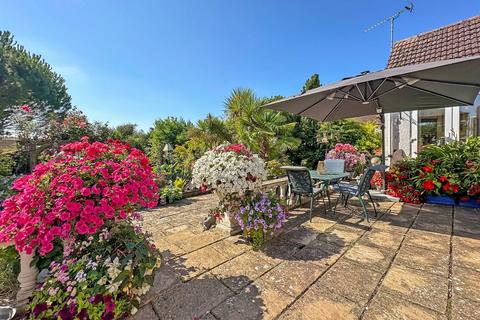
(439, 84)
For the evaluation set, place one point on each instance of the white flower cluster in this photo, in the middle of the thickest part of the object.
(229, 172)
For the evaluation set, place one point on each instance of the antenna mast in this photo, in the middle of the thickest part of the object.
(391, 19)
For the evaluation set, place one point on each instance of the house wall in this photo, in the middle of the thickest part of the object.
(401, 130)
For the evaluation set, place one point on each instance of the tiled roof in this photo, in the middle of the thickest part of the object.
(458, 40)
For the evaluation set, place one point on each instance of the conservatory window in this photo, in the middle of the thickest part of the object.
(431, 127)
(470, 120)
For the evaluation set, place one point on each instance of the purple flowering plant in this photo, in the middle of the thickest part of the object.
(101, 276)
(260, 215)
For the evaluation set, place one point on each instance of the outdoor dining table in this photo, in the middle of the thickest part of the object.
(328, 179)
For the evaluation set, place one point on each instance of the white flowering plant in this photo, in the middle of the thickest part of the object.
(229, 170)
(100, 277)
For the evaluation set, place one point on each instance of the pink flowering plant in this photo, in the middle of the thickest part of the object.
(260, 216)
(84, 188)
(354, 160)
(101, 276)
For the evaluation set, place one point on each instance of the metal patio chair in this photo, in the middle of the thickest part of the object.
(348, 191)
(300, 184)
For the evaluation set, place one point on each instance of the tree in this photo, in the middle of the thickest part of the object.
(266, 132)
(309, 152)
(208, 133)
(364, 136)
(26, 79)
(312, 83)
(170, 130)
(129, 133)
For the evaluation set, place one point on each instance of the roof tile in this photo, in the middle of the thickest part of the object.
(458, 40)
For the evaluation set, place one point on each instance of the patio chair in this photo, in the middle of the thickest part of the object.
(300, 184)
(348, 191)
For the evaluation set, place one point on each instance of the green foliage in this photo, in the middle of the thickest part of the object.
(129, 133)
(208, 133)
(6, 164)
(273, 169)
(173, 193)
(312, 83)
(364, 136)
(457, 160)
(309, 152)
(170, 130)
(452, 169)
(179, 183)
(6, 187)
(26, 78)
(9, 269)
(266, 132)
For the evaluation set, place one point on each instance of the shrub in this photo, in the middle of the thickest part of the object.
(452, 169)
(81, 189)
(102, 276)
(6, 164)
(401, 181)
(354, 160)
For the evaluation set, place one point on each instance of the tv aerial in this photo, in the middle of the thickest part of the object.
(391, 19)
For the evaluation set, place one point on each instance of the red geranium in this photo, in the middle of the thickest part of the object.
(427, 169)
(79, 190)
(428, 185)
(443, 179)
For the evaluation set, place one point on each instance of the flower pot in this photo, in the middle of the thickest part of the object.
(445, 200)
(471, 203)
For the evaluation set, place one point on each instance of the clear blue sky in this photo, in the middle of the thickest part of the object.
(135, 61)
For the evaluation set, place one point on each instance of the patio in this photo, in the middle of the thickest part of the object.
(412, 262)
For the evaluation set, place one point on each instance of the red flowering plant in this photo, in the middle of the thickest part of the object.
(400, 181)
(84, 188)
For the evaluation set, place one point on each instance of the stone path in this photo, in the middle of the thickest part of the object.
(413, 262)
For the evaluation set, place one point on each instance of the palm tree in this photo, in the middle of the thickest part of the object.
(209, 132)
(267, 132)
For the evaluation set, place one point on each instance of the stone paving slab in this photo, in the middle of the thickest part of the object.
(429, 240)
(407, 263)
(318, 303)
(466, 253)
(374, 258)
(350, 280)
(192, 299)
(249, 264)
(260, 300)
(464, 309)
(389, 307)
(425, 289)
(466, 283)
(423, 259)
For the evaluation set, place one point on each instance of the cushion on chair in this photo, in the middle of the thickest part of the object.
(346, 188)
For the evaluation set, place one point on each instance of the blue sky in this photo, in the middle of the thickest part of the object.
(136, 61)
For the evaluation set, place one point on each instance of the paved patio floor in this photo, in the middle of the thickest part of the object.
(412, 262)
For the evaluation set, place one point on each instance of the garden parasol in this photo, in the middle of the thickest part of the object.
(438, 84)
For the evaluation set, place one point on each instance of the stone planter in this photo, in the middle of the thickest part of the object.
(229, 224)
(230, 208)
